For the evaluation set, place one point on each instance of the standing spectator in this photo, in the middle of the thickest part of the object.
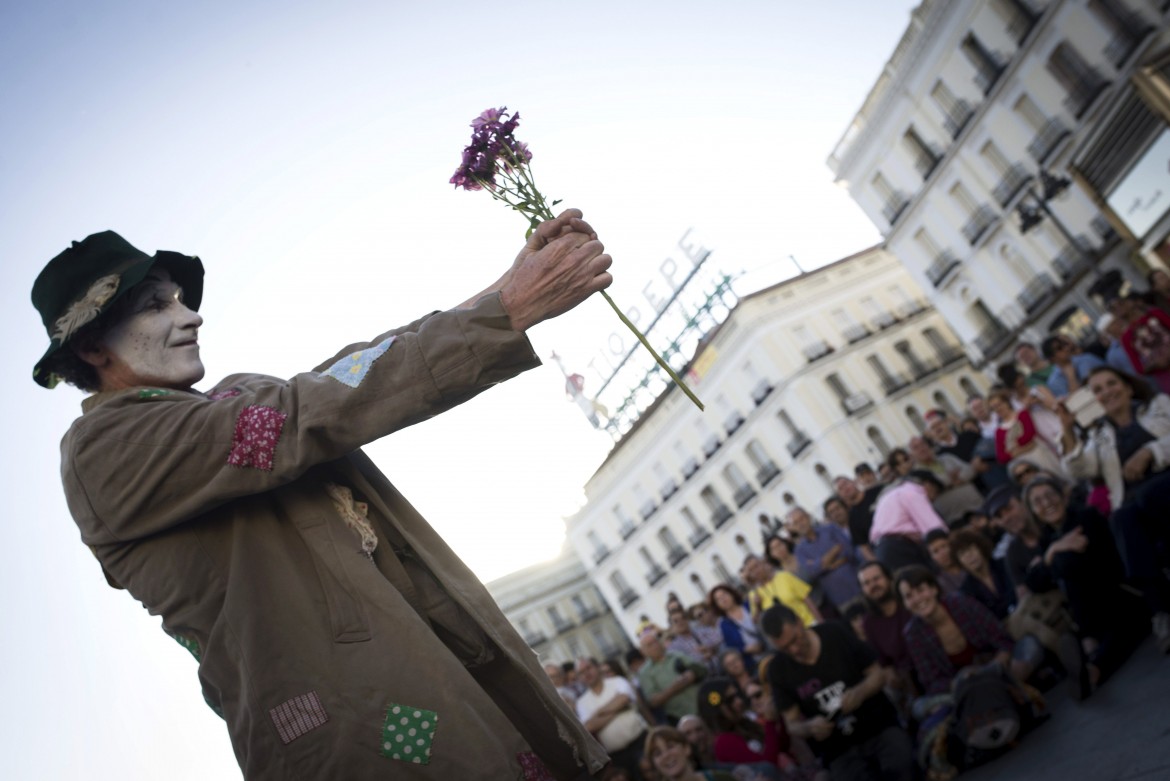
(861, 506)
(556, 674)
(988, 423)
(865, 476)
(837, 513)
(948, 441)
(900, 462)
(669, 680)
(826, 557)
(828, 688)
(735, 622)
(1036, 367)
(609, 710)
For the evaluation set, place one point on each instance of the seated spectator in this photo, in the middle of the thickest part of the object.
(669, 755)
(836, 512)
(825, 555)
(883, 624)
(957, 493)
(682, 640)
(1129, 449)
(705, 626)
(732, 666)
(1082, 561)
(903, 517)
(988, 423)
(985, 579)
(1017, 437)
(861, 506)
(865, 476)
(1070, 365)
(827, 686)
(1159, 288)
(773, 585)
(1147, 342)
(900, 462)
(885, 474)
(947, 440)
(738, 738)
(702, 741)
(735, 623)
(1036, 368)
(670, 681)
(950, 574)
(609, 710)
(1025, 542)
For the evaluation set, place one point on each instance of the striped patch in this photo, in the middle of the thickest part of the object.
(352, 369)
(407, 734)
(226, 393)
(298, 716)
(254, 441)
(534, 769)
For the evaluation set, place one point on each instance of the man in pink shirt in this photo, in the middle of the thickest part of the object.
(902, 518)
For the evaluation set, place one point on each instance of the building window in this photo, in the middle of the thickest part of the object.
(879, 441)
(720, 512)
(926, 157)
(721, 570)
(1129, 29)
(1081, 82)
(944, 403)
(956, 112)
(822, 472)
(625, 525)
(893, 201)
(969, 387)
(918, 369)
(697, 580)
(891, 383)
(988, 65)
(1018, 17)
(766, 469)
(915, 418)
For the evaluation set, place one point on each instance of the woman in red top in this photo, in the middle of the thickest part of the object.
(1016, 435)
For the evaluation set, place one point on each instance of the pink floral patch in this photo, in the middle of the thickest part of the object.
(257, 432)
(534, 769)
(226, 393)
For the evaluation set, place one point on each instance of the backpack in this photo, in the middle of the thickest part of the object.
(986, 714)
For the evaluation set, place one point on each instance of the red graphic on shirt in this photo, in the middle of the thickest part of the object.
(534, 769)
(257, 432)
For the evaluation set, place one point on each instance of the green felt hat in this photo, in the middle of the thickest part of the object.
(81, 284)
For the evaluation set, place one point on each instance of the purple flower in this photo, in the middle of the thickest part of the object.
(489, 116)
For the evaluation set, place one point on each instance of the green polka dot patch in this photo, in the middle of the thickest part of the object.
(408, 733)
(153, 393)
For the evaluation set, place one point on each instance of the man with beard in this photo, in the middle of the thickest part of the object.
(884, 622)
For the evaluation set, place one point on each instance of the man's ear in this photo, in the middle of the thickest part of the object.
(91, 351)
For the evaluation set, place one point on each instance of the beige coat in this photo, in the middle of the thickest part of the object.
(244, 518)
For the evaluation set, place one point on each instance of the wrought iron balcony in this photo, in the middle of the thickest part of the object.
(992, 339)
(856, 332)
(676, 556)
(798, 443)
(957, 118)
(1023, 19)
(941, 266)
(1046, 141)
(857, 402)
(588, 614)
(910, 308)
(884, 321)
(647, 509)
(627, 598)
(655, 575)
(948, 355)
(627, 529)
(600, 554)
(1072, 261)
(767, 472)
(711, 445)
(721, 515)
(893, 383)
(894, 207)
(733, 423)
(1131, 30)
(1037, 293)
(761, 391)
(698, 537)
(1082, 95)
(565, 626)
(744, 494)
(534, 639)
(978, 224)
(817, 350)
(1013, 181)
(669, 489)
(690, 467)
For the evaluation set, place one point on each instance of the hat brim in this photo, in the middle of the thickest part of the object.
(186, 270)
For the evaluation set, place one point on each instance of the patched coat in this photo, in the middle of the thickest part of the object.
(245, 518)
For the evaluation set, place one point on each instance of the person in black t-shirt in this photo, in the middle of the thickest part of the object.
(828, 687)
(861, 505)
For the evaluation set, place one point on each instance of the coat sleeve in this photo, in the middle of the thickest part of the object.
(148, 460)
(1157, 422)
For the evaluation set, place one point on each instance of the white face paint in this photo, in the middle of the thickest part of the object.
(156, 343)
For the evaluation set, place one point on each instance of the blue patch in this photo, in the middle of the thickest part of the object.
(352, 369)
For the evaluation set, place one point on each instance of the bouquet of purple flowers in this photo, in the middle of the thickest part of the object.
(495, 161)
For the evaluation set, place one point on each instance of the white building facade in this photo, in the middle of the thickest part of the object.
(965, 156)
(559, 612)
(801, 382)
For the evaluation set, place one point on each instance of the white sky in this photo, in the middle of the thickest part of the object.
(303, 151)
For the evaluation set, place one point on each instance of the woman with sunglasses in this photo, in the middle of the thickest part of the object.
(739, 739)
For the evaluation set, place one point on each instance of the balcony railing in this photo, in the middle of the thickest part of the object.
(767, 472)
(588, 614)
(655, 575)
(744, 494)
(1131, 31)
(627, 598)
(884, 321)
(940, 267)
(918, 367)
(910, 308)
(857, 402)
(798, 443)
(698, 537)
(894, 207)
(1037, 293)
(669, 489)
(1046, 141)
(992, 339)
(1103, 228)
(947, 355)
(892, 383)
(647, 509)
(1024, 18)
(535, 638)
(957, 118)
(676, 556)
(1082, 95)
(817, 350)
(978, 224)
(690, 467)
(627, 529)
(565, 626)
(721, 515)
(762, 390)
(733, 423)
(1013, 181)
(711, 445)
(600, 554)
(1071, 261)
(856, 332)
(991, 66)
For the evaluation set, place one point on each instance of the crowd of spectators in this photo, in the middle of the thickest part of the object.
(910, 631)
